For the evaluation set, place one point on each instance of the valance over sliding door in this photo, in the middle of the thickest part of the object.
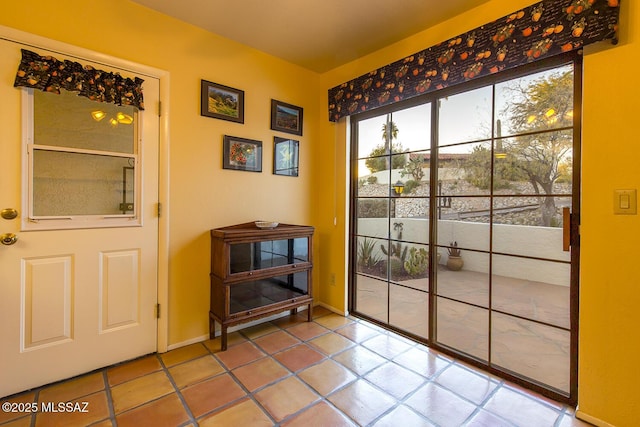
(539, 31)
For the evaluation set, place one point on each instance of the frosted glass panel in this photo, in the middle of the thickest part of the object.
(67, 120)
(67, 184)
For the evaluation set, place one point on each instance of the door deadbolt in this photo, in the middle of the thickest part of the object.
(9, 213)
(8, 239)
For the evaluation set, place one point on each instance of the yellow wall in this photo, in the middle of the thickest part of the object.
(202, 194)
(205, 196)
(610, 273)
(609, 374)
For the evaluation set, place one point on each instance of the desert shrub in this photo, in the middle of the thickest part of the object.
(410, 185)
(373, 208)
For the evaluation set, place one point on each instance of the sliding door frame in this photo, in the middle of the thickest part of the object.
(574, 58)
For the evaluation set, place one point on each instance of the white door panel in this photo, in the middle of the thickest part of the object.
(73, 300)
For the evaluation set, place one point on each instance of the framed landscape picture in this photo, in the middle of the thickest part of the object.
(285, 156)
(241, 154)
(221, 102)
(286, 117)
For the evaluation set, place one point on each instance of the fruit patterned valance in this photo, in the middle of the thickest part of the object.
(50, 74)
(536, 32)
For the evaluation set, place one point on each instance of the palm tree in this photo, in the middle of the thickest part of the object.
(389, 133)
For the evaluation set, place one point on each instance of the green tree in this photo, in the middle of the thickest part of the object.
(414, 168)
(379, 157)
(542, 155)
(477, 169)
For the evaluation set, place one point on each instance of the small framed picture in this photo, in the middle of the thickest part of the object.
(286, 117)
(285, 156)
(221, 102)
(241, 154)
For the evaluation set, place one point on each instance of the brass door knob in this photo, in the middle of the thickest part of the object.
(8, 239)
(9, 213)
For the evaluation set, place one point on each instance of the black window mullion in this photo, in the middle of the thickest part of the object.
(433, 222)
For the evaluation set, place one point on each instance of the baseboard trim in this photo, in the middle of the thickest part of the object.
(234, 328)
(187, 342)
(333, 309)
(591, 419)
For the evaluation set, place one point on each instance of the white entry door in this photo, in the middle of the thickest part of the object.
(74, 297)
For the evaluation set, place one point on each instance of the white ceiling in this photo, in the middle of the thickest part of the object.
(316, 34)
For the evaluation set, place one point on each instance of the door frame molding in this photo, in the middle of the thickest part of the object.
(35, 41)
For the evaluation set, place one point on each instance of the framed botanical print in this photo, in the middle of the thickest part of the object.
(285, 156)
(241, 154)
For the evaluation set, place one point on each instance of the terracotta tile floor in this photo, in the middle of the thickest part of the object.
(332, 372)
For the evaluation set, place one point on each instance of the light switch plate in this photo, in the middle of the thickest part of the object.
(625, 202)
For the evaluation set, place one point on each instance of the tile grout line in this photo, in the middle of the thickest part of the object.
(177, 391)
(36, 398)
(249, 394)
(294, 374)
(481, 406)
(323, 397)
(397, 402)
(107, 388)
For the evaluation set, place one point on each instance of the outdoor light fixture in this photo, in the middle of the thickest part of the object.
(398, 188)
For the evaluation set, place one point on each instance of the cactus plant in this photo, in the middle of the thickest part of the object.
(417, 263)
(453, 249)
(454, 262)
(366, 257)
(396, 254)
(395, 249)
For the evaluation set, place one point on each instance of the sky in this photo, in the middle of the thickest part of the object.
(465, 116)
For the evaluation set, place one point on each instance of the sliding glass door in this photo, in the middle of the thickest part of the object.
(392, 219)
(462, 205)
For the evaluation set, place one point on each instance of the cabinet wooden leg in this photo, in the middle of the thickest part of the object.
(309, 313)
(223, 339)
(212, 328)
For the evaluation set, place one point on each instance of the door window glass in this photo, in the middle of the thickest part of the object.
(82, 162)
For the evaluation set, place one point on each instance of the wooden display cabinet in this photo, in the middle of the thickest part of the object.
(258, 272)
